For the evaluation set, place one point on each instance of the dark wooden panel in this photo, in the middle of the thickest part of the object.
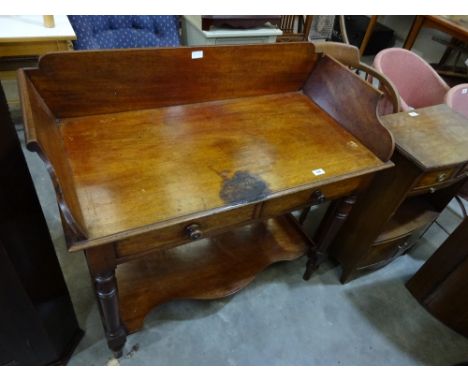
(381, 254)
(95, 82)
(441, 285)
(352, 102)
(37, 322)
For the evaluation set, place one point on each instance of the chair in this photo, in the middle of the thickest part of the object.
(295, 28)
(457, 99)
(323, 28)
(418, 84)
(110, 32)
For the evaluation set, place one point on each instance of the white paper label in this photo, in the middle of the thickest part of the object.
(413, 114)
(318, 171)
(197, 54)
(464, 91)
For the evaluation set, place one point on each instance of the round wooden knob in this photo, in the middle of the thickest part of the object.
(442, 177)
(193, 231)
(318, 197)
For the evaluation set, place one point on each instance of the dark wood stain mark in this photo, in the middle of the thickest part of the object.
(243, 187)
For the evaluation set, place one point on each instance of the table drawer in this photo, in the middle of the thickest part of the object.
(434, 179)
(381, 254)
(183, 232)
(304, 198)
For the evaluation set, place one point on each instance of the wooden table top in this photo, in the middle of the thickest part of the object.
(456, 23)
(137, 168)
(25, 28)
(435, 137)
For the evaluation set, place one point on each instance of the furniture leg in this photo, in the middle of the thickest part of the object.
(413, 33)
(336, 215)
(102, 266)
(447, 52)
(367, 36)
(304, 214)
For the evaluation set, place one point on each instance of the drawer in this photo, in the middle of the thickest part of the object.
(183, 232)
(381, 254)
(434, 179)
(304, 198)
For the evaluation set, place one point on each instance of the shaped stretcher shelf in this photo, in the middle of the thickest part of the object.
(206, 269)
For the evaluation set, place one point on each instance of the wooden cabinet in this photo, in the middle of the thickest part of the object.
(175, 171)
(430, 157)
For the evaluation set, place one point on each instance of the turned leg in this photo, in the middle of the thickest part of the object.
(317, 198)
(108, 299)
(101, 263)
(332, 222)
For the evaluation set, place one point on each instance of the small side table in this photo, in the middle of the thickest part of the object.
(431, 165)
(22, 40)
(455, 26)
(38, 325)
(193, 34)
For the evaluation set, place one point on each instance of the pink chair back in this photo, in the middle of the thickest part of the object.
(417, 83)
(457, 99)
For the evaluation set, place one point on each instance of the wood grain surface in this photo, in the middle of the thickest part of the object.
(441, 284)
(436, 137)
(156, 165)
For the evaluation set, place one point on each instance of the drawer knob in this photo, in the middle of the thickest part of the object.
(318, 197)
(193, 231)
(441, 177)
(403, 246)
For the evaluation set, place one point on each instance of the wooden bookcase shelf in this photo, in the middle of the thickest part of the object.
(414, 214)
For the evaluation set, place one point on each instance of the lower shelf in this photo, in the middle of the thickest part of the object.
(400, 233)
(414, 214)
(206, 269)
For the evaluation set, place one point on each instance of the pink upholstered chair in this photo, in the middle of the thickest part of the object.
(457, 99)
(417, 83)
